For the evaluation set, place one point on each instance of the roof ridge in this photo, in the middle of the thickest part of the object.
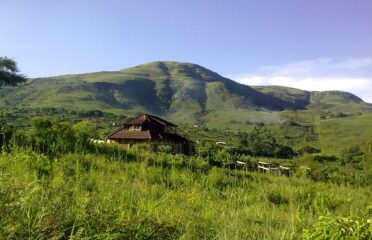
(161, 120)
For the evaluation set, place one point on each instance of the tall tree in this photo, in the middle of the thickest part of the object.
(9, 72)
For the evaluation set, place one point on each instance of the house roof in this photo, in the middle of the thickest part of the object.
(123, 134)
(147, 135)
(153, 133)
(143, 118)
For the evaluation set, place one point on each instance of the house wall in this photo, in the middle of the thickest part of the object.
(134, 128)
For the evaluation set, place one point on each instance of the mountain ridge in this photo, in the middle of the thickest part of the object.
(184, 92)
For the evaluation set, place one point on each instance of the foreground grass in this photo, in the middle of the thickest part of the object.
(91, 196)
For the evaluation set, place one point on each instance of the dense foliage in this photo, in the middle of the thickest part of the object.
(342, 228)
(9, 72)
(261, 142)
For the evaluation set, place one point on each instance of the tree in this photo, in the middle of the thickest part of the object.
(261, 142)
(283, 152)
(53, 137)
(9, 72)
(6, 132)
(84, 131)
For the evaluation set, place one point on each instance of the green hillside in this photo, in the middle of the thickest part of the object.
(322, 102)
(181, 92)
(338, 134)
(56, 183)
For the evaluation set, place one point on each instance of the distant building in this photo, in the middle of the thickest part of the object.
(147, 128)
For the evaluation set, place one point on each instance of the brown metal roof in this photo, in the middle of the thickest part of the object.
(123, 134)
(148, 135)
(154, 130)
(174, 137)
(143, 118)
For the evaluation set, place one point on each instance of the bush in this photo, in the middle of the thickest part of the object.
(350, 228)
(6, 132)
(323, 174)
(321, 157)
(308, 149)
(291, 123)
(353, 155)
(284, 152)
(165, 149)
(261, 142)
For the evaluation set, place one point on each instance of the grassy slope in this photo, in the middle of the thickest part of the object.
(158, 197)
(337, 134)
(182, 92)
(188, 93)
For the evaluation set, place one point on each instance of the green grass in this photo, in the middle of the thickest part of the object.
(338, 134)
(91, 196)
(141, 195)
(69, 188)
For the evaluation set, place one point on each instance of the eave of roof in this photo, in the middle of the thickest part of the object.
(148, 135)
(131, 135)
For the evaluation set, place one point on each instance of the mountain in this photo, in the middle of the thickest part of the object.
(182, 92)
(326, 100)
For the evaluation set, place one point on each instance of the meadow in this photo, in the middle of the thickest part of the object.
(91, 196)
(64, 187)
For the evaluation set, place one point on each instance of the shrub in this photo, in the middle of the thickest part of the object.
(165, 148)
(284, 152)
(6, 132)
(308, 149)
(353, 155)
(322, 174)
(291, 123)
(321, 157)
(350, 228)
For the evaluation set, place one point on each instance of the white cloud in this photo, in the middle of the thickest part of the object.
(352, 75)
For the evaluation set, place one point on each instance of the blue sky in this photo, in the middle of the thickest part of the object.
(308, 44)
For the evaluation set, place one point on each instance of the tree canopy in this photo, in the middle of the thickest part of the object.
(261, 142)
(9, 72)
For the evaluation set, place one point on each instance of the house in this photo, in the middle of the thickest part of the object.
(147, 128)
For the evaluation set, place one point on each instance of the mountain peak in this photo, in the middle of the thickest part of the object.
(179, 91)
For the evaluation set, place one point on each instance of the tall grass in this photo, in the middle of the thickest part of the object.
(158, 196)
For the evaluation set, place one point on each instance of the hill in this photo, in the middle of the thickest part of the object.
(182, 92)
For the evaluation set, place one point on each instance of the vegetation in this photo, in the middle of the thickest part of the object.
(261, 142)
(55, 183)
(181, 92)
(338, 134)
(9, 72)
(357, 228)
